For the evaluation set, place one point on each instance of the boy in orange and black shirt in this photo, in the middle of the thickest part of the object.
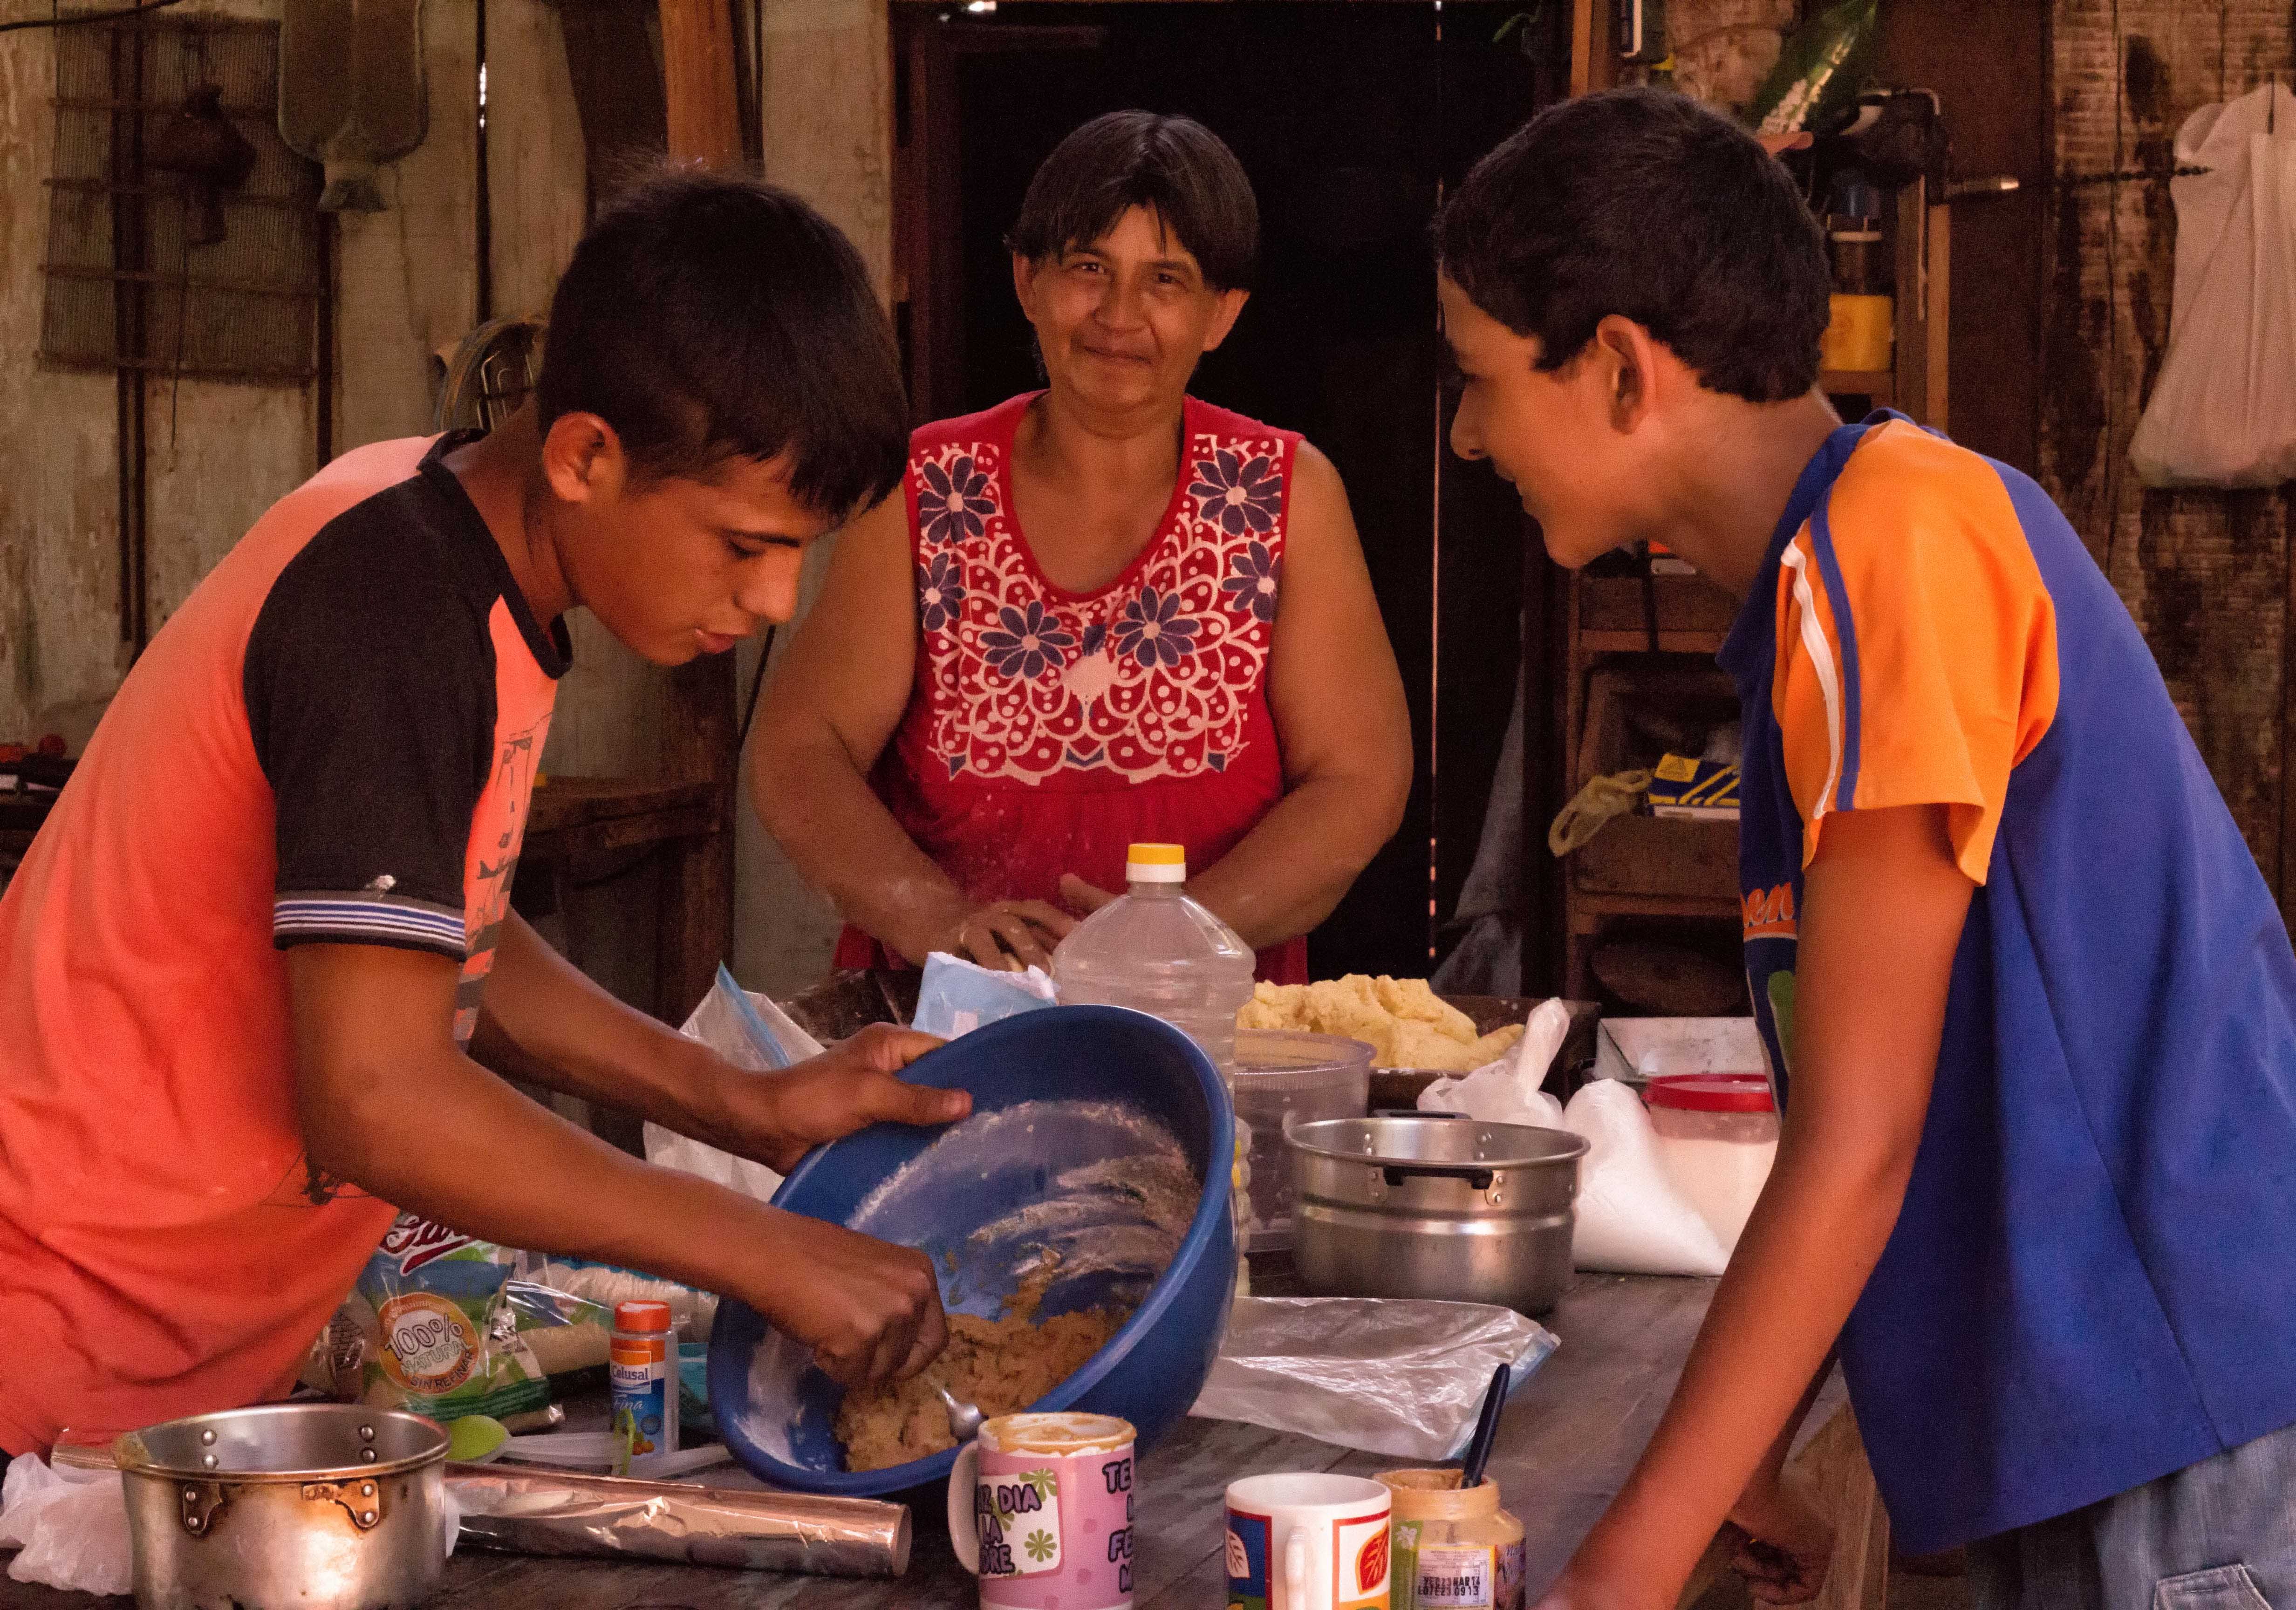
(248, 959)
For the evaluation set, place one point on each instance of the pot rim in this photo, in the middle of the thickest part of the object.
(1577, 1145)
(133, 1455)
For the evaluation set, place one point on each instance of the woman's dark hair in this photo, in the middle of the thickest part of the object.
(1124, 159)
(710, 316)
(1643, 203)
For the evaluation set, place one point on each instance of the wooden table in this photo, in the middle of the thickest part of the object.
(1567, 1439)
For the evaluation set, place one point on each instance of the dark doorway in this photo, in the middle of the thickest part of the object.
(1350, 119)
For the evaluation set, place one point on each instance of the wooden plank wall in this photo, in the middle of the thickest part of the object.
(2204, 573)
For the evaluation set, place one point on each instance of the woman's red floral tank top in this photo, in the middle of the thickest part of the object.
(1050, 730)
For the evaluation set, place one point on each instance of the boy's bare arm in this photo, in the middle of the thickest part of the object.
(1883, 908)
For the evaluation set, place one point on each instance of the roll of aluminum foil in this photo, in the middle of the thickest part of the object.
(559, 1513)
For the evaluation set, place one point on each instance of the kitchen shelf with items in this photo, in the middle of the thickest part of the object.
(1651, 901)
(1650, 906)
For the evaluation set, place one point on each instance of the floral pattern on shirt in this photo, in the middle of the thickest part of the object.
(952, 500)
(1156, 675)
(1238, 493)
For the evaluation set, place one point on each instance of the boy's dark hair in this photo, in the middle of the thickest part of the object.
(710, 316)
(1643, 203)
(1124, 159)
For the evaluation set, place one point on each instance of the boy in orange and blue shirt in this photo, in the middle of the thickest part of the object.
(2029, 1006)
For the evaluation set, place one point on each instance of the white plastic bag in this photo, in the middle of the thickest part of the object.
(2223, 413)
(1397, 1376)
(1507, 1091)
(748, 1030)
(1631, 1219)
(70, 1526)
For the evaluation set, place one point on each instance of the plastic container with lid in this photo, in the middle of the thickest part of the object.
(1453, 1549)
(1283, 1077)
(1717, 1133)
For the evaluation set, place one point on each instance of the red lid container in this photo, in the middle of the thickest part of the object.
(1711, 1093)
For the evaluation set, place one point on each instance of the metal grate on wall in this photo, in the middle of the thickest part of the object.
(132, 282)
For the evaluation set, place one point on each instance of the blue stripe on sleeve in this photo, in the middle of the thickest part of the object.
(357, 921)
(1845, 629)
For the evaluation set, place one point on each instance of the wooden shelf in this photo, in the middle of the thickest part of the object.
(1648, 858)
(1682, 604)
(1638, 642)
(576, 817)
(1878, 386)
(1589, 911)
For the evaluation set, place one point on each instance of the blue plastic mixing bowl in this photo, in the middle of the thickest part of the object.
(1084, 1117)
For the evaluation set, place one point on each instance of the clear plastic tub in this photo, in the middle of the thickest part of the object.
(1718, 1133)
(1280, 1076)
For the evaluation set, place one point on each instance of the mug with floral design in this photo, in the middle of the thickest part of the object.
(1307, 1541)
(1040, 1510)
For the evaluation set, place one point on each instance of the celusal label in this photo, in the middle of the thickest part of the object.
(1455, 1579)
(416, 1241)
(429, 1345)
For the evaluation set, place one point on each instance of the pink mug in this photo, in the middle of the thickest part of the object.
(1040, 1510)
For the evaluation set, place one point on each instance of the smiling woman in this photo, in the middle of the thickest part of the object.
(1100, 613)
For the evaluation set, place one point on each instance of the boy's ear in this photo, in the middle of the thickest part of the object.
(583, 461)
(1628, 364)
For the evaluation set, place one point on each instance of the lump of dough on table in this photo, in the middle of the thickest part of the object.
(1403, 1020)
(1413, 1001)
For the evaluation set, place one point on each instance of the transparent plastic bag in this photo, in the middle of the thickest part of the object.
(748, 1030)
(1507, 1090)
(1392, 1376)
(71, 1527)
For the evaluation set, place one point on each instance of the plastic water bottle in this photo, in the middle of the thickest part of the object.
(1158, 952)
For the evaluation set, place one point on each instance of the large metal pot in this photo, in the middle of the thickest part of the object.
(1428, 1205)
(317, 1506)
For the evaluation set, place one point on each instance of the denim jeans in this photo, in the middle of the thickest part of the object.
(2217, 1535)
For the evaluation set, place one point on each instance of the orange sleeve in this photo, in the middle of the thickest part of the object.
(1917, 655)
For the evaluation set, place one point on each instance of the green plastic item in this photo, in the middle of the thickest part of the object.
(476, 1438)
(1820, 70)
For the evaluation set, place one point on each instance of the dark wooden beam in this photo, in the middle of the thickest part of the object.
(699, 733)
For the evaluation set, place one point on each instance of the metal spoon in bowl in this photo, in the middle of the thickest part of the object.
(963, 1419)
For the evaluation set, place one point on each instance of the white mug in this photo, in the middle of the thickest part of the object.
(1301, 1541)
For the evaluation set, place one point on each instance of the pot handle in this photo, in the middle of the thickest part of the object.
(362, 1500)
(1477, 1178)
(200, 1503)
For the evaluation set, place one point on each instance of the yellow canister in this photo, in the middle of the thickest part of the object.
(1452, 1550)
(1861, 332)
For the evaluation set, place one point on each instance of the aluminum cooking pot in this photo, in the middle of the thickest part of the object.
(317, 1506)
(1432, 1205)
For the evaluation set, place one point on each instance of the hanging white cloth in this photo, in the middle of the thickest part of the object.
(2222, 411)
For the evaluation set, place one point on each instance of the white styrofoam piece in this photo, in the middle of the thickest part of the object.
(1640, 1049)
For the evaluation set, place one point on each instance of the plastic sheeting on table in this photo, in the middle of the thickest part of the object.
(1392, 1376)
